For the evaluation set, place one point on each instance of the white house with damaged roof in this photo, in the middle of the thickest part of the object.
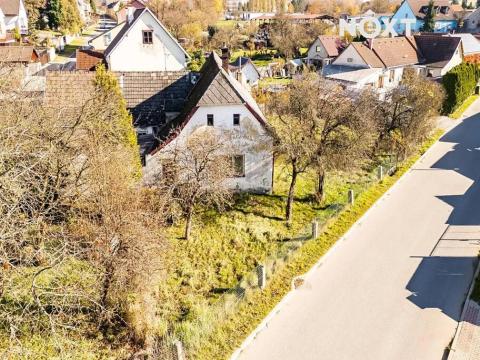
(144, 44)
(220, 103)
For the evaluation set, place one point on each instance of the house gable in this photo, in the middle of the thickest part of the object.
(317, 50)
(405, 12)
(351, 57)
(128, 52)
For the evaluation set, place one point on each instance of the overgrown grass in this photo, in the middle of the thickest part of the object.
(229, 333)
(462, 108)
(208, 298)
(265, 82)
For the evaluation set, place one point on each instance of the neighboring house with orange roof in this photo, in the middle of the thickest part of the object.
(380, 63)
(376, 63)
(15, 15)
(324, 50)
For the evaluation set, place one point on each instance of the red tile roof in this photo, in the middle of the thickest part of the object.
(332, 44)
(88, 59)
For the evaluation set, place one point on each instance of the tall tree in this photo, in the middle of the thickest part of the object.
(318, 126)
(406, 117)
(195, 172)
(429, 19)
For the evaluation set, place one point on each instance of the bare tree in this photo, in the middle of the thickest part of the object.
(405, 118)
(195, 172)
(317, 125)
(80, 241)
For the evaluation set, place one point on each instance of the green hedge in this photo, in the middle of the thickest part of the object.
(459, 84)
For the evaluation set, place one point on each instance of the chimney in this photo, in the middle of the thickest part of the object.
(130, 11)
(225, 58)
(370, 43)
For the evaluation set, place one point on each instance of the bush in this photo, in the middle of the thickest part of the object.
(459, 84)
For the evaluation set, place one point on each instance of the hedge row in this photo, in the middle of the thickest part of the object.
(459, 84)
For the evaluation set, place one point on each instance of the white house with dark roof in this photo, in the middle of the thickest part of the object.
(15, 15)
(245, 71)
(144, 44)
(219, 101)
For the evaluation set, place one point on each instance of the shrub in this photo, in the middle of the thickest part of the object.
(459, 84)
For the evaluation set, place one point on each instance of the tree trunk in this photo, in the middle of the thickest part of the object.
(291, 193)
(188, 225)
(320, 186)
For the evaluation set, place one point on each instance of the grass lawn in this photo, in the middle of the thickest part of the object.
(234, 326)
(462, 108)
(208, 297)
(229, 23)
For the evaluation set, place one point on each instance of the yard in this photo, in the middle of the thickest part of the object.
(207, 296)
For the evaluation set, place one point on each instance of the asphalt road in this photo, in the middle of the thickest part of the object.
(394, 289)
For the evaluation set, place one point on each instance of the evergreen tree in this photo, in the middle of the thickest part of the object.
(464, 4)
(429, 20)
(53, 12)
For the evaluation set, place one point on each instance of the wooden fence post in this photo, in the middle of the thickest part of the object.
(314, 229)
(380, 172)
(351, 197)
(262, 279)
(179, 350)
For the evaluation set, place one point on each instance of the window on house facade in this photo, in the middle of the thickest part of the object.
(318, 49)
(147, 36)
(210, 119)
(380, 82)
(349, 59)
(236, 119)
(238, 164)
(392, 76)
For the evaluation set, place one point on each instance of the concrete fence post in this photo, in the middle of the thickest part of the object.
(314, 229)
(179, 350)
(380, 172)
(262, 278)
(351, 197)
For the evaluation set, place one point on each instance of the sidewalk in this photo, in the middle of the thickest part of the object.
(467, 342)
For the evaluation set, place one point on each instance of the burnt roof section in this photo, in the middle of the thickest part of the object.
(437, 48)
(214, 87)
(10, 7)
(149, 95)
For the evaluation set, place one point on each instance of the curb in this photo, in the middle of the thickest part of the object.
(264, 324)
(462, 316)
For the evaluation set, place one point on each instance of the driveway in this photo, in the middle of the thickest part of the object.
(394, 288)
